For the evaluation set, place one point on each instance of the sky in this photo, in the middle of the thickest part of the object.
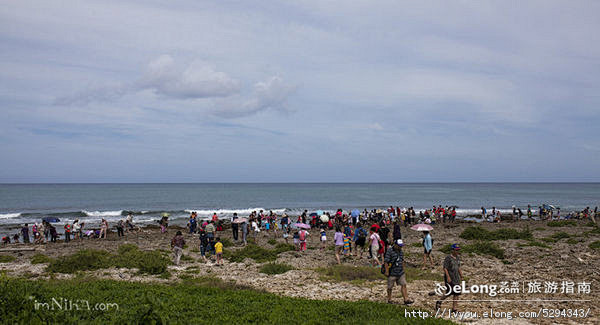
(299, 91)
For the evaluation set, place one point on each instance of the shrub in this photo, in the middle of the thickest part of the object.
(562, 223)
(350, 273)
(560, 235)
(480, 248)
(226, 242)
(7, 258)
(257, 253)
(129, 256)
(480, 233)
(40, 258)
(534, 243)
(595, 245)
(275, 268)
(152, 303)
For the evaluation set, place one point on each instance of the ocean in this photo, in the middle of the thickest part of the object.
(28, 203)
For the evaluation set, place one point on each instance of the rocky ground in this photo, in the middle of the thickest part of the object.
(566, 260)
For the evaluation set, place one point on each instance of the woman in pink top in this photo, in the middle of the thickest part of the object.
(374, 245)
(339, 243)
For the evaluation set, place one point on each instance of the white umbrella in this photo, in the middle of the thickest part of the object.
(422, 227)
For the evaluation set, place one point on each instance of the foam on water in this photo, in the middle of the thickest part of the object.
(10, 215)
(102, 213)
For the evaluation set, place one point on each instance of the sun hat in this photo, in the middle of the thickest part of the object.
(399, 242)
(455, 247)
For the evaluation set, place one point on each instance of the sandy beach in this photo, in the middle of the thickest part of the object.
(563, 260)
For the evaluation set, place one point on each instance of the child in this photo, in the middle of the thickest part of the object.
(323, 238)
(177, 244)
(297, 240)
(346, 245)
(302, 237)
(219, 251)
(203, 243)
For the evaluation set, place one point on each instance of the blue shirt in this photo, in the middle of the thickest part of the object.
(427, 243)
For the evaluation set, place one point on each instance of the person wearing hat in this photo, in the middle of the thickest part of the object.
(394, 270)
(452, 277)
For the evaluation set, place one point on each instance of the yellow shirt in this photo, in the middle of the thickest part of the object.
(219, 248)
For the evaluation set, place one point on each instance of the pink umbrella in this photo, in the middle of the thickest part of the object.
(302, 225)
(240, 220)
(422, 227)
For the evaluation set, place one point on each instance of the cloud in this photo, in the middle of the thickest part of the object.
(197, 80)
(271, 94)
(164, 77)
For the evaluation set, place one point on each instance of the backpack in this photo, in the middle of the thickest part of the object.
(302, 235)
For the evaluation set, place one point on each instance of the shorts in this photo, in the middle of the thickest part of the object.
(449, 290)
(219, 254)
(375, 250)
(323, 238)
(426, 251)
(202, 250)
(399, 280)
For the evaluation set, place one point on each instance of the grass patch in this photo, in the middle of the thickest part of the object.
(590, 224)
(573, 241)
(187, 258)
(7, 258)
(549, 240)
(226, 242)
(275, 268)
(595, 245)
(348, 273)
(416, 244)
(128, 256)
(534, 243)
(562, 223)
(272, 242)
(560, 235)
(480, 233)
(480, 248)
(257, 253)
(40, 259)
(152, 303)
(414, 273)
(540, 229)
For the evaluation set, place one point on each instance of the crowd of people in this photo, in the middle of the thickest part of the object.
(45, 232)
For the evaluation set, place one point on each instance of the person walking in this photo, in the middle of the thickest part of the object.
(177, 244)
(427, 247)
(235, 226)
(25, 233)
(394, 270)
(452, 277)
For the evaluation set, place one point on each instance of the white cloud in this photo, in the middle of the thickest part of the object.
(271, 94)
(164, 77)
(196, 80)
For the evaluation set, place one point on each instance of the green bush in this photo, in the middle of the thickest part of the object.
(7, 258)
(40, 258)
(562, 223)
(343, 272)
(83, 260)
(534, 243)
(272, 241)
(257, 253)
(226, 242)
(480, 233)
(128, 256)
(152, 303)
(560, 235)
(595, 245)
(275, 268)
(480, 248)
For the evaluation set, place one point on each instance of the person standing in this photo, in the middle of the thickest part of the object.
(427, 248)
(219, 251)
(25, 233)
(235, 226)
(452, 277)
(338, 238)
(302, 237)
(120, 228)
(67, 228)
(374, 240)
(245, 233)
(177, 244)
(394, 270)
(103, 228)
